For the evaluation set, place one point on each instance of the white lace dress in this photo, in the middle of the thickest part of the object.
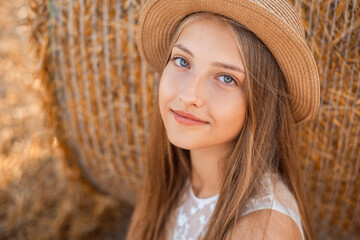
(193, 214)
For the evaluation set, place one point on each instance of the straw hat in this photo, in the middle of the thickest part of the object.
(275, 22)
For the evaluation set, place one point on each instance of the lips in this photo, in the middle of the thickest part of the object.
(188, 119)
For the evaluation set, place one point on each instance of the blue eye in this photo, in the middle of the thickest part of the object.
(181, 62)
(228, 80)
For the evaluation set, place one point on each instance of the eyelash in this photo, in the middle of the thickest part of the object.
(227, 84)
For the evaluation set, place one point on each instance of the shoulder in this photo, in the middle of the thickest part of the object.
(274, 194)
(271, 214)
(266, 224)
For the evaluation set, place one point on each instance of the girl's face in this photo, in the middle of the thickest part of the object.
(204, 81)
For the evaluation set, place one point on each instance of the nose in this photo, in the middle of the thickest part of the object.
(191, 94)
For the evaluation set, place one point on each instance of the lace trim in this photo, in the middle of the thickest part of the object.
(203, 200)
(193, 215)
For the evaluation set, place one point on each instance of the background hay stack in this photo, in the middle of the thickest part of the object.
(101, 96)
(330, 145)
(100, 91)
(37, 198)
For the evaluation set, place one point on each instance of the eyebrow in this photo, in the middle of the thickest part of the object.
(216, 64)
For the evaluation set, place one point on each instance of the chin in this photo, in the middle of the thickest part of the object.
(182, 143)
(186, 144)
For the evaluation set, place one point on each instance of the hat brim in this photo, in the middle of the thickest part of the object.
(159, 18)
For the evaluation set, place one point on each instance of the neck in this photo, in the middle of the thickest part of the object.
(205, 176)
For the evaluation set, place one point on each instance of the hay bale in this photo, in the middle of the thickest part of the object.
(101, 95)
(43, 203)
(38, 200)
(329, 145)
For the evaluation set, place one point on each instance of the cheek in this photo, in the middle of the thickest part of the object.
(167, 90)
(169, 86)
(163, 98)
(230, 114)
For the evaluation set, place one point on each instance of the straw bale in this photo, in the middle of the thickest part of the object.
(86, 101)
(329, 145)
(101, 95)
(98, 113)
(38, 199)
(42, 203)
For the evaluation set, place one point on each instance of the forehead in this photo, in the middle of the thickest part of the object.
(210, 38)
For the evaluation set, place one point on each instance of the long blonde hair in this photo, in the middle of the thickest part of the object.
(265, 144)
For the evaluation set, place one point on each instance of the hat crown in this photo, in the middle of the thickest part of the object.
(284, 11)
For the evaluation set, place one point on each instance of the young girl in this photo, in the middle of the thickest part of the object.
(221, 161)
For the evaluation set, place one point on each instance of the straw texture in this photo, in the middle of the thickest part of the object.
(101, 94)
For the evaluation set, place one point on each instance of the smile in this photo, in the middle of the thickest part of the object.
(187, 119)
